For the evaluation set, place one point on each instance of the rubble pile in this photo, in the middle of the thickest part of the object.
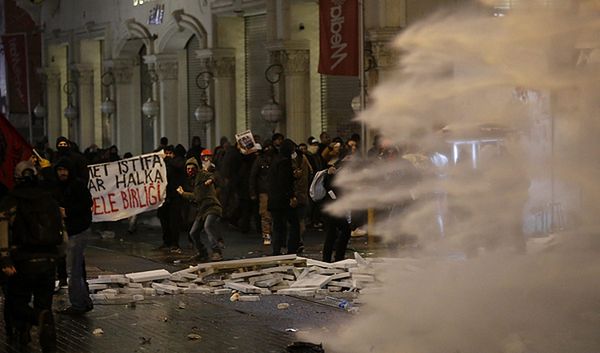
(244, 280)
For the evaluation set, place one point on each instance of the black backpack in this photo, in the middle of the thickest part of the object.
(37, 222)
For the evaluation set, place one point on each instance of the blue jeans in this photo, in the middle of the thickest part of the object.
(79, 295)
(210, 227)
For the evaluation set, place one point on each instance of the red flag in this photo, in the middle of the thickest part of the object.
(338, 37)
(15, 52)
(13, 149)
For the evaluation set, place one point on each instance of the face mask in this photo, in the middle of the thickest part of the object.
(62, 149)
(313, 149)
(294, 155)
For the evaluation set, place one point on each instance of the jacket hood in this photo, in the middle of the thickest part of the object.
(62, 139)
(192, 161)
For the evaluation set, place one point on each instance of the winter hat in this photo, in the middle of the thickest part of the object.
(206, 152)
(192, 161)
(62, 139)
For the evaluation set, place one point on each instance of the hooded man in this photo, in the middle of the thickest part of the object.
(204, 197)
(27, 257)
(65, 150)
(75, 201)
(282, 201)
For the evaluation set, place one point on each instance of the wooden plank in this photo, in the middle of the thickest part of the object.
(245, 274)
(277, 269)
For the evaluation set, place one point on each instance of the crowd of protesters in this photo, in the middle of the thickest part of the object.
(264, 187)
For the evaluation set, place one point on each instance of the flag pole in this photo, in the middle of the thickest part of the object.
(28, 89)
(361, 72)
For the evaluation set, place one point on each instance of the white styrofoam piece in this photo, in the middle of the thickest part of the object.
(149, 275)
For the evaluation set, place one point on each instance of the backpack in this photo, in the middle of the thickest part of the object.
(317, 186)
(37, 222)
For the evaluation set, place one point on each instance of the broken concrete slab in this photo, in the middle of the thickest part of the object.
(311, 281)
(249, 298)
(243, 287)
(165, 288)
(237, 275)
(148, 275)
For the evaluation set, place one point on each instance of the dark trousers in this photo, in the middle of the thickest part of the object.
(171, 222)
(61, 268)
(33, 278)
(337, 236)
(281, 220)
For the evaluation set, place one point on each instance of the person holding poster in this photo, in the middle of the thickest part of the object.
(204, 197)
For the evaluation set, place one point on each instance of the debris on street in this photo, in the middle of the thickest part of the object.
(246, 280)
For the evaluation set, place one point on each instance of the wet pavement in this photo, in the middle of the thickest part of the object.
(159, 324)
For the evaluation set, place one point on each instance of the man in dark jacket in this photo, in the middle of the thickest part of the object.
(75, 201)
(196, 149)
(27, 258)
(66, 150)
(282, 201)
(170, 212)
(259, 187)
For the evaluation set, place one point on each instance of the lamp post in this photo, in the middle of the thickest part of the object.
(70, 111)
(272, 111)
(204, 113)
(151, 108)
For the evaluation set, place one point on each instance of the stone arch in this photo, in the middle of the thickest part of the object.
(179, 31)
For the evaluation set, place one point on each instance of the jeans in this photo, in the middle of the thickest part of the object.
(211, 228)
(79, 295)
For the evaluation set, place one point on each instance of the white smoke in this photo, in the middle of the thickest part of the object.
(530, 78)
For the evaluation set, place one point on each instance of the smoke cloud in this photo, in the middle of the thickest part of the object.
(472, 205)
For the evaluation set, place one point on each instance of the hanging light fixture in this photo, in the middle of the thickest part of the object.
(70, 111)
(151, 108)
(39, 111)
(108, 106)
(204, 113)
(272, 111)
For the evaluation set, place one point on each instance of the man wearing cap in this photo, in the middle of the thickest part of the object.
(27, 257)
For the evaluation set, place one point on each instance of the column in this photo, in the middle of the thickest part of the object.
(169, 122)
(294, 56)
(127, 116)
(85, 75)
(54, 111)
(386, 59)
(221, 63)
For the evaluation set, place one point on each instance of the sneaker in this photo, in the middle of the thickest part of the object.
(216, 256)
(358, 232)
(47, 332)
(267, 239)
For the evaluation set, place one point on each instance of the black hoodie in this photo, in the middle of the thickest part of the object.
(74, 196)
(281, 178)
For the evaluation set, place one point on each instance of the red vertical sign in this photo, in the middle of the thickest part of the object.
(338, 37)
(13, 149)
(15, 52)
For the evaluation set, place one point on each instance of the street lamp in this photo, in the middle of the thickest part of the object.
(108, 106)
(204, 113)
(150, 108)
(39, 111)
(70, 111)
(272, 111)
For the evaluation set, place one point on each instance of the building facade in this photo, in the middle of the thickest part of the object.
(102, 60)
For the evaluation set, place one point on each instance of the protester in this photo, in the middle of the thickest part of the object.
(27, 258)
(75, 202)
(69, 150)
(195, 149)
(282, 201)
(259, 186)
(209, 211)
(302, 173)
(170, 212)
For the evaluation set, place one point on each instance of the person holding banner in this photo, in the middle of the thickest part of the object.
(204, 197)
